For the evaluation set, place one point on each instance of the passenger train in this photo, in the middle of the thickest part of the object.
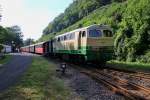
(89, 44)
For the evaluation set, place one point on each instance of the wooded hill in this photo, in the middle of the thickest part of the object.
(130, 20)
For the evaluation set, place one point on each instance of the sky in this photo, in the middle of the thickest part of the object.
(31, 15)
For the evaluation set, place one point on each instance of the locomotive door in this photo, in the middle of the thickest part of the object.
(80, 40)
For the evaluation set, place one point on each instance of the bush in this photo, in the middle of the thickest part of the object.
(132, 37)
(1, 47)
(144, 58)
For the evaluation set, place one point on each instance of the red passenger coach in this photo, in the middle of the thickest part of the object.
(39, 48)
(25, 49)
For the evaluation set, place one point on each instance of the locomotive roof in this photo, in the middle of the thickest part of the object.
(88, 27)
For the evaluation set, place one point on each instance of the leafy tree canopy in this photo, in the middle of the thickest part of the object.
(11, 35)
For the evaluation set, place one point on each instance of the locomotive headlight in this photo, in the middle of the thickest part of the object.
(63, 65)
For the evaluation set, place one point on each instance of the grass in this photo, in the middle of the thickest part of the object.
(38, 83)
(129, 65)
(5, 59)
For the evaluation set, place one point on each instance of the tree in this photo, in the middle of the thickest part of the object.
(3, 33)
(29, 41)
(1, 47)
(11, 34)
(16, 36)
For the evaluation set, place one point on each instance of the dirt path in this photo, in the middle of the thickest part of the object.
(11, 72)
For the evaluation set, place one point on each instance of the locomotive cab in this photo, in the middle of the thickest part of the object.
(99, 43)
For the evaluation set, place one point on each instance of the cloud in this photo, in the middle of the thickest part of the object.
(32, 22)
(11, 10)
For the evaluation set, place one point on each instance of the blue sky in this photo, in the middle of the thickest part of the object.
(51, 5)
(31, 15)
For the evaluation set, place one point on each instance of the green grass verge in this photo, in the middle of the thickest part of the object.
(135, 66)
(38, 83)
(5, 59)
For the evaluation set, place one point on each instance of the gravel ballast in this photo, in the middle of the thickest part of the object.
(85, 87)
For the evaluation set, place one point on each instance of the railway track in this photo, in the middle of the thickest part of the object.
(137, 75)
(125, 87)
(143, 75)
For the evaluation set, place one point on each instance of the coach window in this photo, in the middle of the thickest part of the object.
(95, 33)
(39, 46)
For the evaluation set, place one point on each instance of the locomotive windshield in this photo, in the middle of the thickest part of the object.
(107, 33)
(95, 33)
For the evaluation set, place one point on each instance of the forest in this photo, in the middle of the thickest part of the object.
(129, 19)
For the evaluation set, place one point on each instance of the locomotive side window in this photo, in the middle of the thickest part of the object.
(95, 33)
(107, 33)
(61, 38)
(68, 36)
(72, 36)
(65, 38)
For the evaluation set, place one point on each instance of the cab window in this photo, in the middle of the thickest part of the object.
(107, 33)
(95, 33)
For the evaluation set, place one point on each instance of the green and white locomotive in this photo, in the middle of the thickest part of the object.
(91, 44)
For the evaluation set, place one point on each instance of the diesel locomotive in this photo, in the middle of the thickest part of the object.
(89, 44)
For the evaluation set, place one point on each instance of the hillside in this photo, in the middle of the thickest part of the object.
(75, 12)
(130, 21)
